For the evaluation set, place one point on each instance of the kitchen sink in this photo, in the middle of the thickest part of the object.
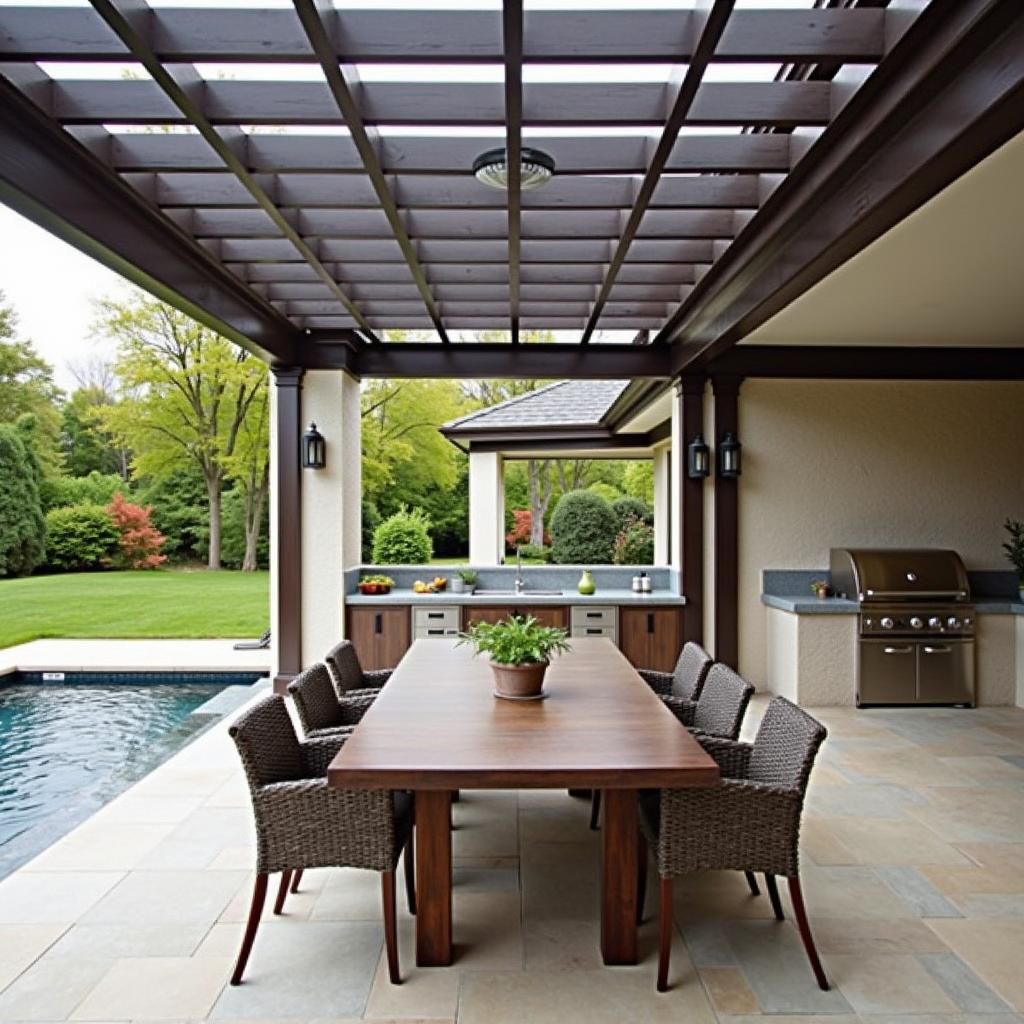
(520, 593)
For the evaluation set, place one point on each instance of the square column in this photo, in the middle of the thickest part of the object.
(663, 527)
(486, 508)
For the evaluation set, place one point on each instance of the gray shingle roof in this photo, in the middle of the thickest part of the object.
(562, 404)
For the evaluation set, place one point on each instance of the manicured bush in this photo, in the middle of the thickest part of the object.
(22, 527)
(583, 529)
(139, 541)
(403, 539)
(94, 489)
(80, 538)
(627, 508)
(634, 544)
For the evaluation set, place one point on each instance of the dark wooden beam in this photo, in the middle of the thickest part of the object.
(690, 395)
(341, 79)
(512, 45)
(287, 629)
(186, 92)
(950, 93)
(871, 362)
(726, 556)
(460, 362)
(52, 180)
(711, 28)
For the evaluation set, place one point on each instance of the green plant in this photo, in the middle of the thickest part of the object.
(1014, 547)
(80, 538)
(542, 552)
(627, 508)
(403, 539)
(819, 587)
(517, 640)
(94, 489)
(22, 527)
(370, 522)
(468, 576)
(583, 529)
(634, 544)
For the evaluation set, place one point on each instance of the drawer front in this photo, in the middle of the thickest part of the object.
(434, 632)
(435, 617)
(593, 616)
(608, 631)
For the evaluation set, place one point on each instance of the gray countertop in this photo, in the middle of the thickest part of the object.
(843, 606)
(566, 597)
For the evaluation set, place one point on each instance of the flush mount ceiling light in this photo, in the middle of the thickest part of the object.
(535, 168)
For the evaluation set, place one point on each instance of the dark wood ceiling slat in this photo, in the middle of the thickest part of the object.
(512, 51)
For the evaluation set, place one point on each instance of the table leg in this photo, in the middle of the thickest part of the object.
(433, 878)
(619, 860)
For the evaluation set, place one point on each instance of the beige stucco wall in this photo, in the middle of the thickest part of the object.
(844, 463)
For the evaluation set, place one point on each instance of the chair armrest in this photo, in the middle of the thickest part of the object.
(731, 756)
(353, 708)
(319, 752)
(684, 710)
(659, 682)
(376, 678)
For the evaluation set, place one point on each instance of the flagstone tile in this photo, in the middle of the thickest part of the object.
(992, 949)
(53, 897)
(51, 988)
(21, 945)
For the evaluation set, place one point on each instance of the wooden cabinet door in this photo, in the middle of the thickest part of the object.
(548, 615)
(651, 637)
(381, 635)
(477, 613)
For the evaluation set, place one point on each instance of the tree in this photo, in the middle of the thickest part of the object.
(186, 396)
(87, 447)
(22, 526)
(27, 388)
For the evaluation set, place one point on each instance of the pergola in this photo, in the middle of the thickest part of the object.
(299, 177)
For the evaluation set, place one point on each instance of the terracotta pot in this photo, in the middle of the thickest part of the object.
(519, 681)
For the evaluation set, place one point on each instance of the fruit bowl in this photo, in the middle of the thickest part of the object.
(375, 585)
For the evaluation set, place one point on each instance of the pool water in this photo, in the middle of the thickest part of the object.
(66, 750)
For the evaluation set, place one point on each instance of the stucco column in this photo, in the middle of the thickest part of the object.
(486, 508)
(331, 508)
(662, 460)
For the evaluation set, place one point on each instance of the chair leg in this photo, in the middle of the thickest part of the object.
(387, 893)
(773, 895)
(595, 809)
(259, 895)
(641, 877)
(752, 882)
(296, 878)
(797, 899)
(664, 933)
(410, 874)
(286, 877)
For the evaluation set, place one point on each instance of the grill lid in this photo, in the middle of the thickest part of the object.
(899, 574)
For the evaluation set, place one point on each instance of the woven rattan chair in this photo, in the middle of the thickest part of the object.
(750, 822)
(320, 711)
(685, 681)
(352, 683)
(301, 822)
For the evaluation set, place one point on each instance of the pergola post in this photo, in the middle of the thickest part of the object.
(486, 508)
(726, 390)
(688, 504)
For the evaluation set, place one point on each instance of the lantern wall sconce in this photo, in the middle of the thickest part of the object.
(730, 456)
(698, 458)
(314, 449)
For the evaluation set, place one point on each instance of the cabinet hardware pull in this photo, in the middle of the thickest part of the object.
(899, 650)
(650, 622)
(378, 623)
(435, 632)
(435, 615)
(594, 615)
(938, 650)
(593, 632)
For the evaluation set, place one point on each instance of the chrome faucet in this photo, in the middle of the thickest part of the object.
(520, 584)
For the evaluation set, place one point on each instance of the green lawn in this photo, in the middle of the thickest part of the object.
(161, 603)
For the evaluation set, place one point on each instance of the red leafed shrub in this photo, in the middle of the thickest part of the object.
(140, 542)
(522, 522)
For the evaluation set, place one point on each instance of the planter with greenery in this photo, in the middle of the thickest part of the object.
(463, 581)
(1014, 549)
(520, 650)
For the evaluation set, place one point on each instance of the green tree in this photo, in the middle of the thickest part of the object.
(22, 526)
(87, 447)
(187, 394)
(638, 480)
(27, 388)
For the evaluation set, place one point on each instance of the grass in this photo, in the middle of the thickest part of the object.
(169, 603)
(509, 560)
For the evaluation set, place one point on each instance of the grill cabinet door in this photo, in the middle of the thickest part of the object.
(945, 672)
(887, 672)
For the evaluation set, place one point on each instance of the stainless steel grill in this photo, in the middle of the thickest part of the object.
(916, 623)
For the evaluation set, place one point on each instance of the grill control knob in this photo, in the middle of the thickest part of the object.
(953, 622)
(916, 622)
(935, 622)
(887, 623)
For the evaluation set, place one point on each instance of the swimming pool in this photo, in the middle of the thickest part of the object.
(68, 748)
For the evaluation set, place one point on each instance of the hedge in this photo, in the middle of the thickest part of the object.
(583, 529)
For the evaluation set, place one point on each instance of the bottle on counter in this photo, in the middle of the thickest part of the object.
(645, 583)
(637, 584)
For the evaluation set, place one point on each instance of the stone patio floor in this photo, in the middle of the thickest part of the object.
(913, 874)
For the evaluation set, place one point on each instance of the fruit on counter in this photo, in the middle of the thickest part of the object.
(436, 584)
(377, 584)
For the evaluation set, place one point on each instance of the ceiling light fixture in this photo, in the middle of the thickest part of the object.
(535, 168)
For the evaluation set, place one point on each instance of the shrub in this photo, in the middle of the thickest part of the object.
(627, 508)
(634, 544)
(540, 551)
(522, 526)
(80, 538)
(139, 541)
(606, 490)
(181, 512)
(94, 489)
(22, 527)
(403, 539)
(583, 529)
(370, 521)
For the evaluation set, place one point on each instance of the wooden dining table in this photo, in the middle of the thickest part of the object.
(437, 727)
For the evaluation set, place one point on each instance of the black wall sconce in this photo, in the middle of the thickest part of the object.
(698, 458)
(730, 456)
(314, 449)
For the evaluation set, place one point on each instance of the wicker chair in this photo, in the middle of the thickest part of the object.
(301, 822)
(320, 711)
(750, 822)
(352, 683)
(685, 681)
(718, 711)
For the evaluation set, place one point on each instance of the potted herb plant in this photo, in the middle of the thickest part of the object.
(463, 581)
(520, 650)
(819, 588)
(1014, 549)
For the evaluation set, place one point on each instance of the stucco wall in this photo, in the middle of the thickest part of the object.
(832, 464)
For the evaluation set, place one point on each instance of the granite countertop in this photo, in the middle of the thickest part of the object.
(604, 595)
(811, 605)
